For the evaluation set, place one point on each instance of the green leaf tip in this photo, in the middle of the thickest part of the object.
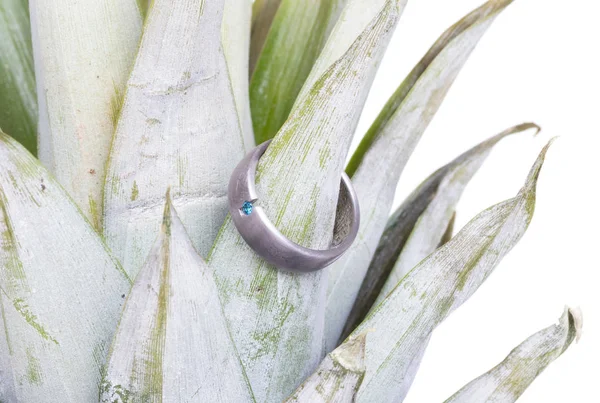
(437, 286)
(386, 268)
(71, 270)
(172, 319)
(484, 12)
(529, 189)
(338, 377)
(507, 381)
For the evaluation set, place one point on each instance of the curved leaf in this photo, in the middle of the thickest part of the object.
(60, 290)
(178, 128)
(508, 380)
(338, 377)
(384, 151)
(263, 13)
(18, 103)
(172, 343)
(354, 19)
(277, 317)
(436, 287)
(295, 39)
(235, 36)
(416, 229)
(83, 54)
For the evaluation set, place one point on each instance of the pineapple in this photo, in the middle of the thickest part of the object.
(122, 279)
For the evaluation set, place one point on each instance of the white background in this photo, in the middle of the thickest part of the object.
(538, 62)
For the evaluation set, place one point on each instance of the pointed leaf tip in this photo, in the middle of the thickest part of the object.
(298, 177)
(416, 228)
(437, 286)
(534, 173)
(172, 335)
(508, 380)
(160, 130)
(384, 150)
(338, 377)
(50, 256)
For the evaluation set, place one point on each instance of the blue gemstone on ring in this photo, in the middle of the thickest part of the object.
(247, 208)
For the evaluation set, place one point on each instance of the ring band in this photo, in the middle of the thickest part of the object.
(265, 239)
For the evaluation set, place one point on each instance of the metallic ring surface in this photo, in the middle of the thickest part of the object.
(265, 239)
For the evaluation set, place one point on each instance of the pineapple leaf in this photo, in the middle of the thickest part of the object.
(436, 287)
(416, 229)
(235, 37)
(295, 39)
(354, 19)
(378, 163)
(83, 53)
(18, 103)
(419, 96)
(178, 128)
(276, 317)
(508, 380)
(263, 13)
(172, 343)
(338, 377)
(60, 289)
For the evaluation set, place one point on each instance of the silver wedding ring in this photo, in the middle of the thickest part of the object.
(267, 241)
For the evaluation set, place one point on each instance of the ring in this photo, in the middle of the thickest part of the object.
(265, 239)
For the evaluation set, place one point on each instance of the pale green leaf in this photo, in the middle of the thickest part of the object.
(172, 343)
(508, 380)
(60, 290)
(295, 39)
(178, 128)
(263, 13)
(83, 54)
(235, 37)
(436, 287)
(417, 227)
(338, 377)
(18, 103)
(384, 151)
(277, 317)
(352, 22)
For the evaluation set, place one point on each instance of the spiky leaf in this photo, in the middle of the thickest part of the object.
(83, 54)
(508, 380)
(338, 377)
(354, 19)
(172, 344)
(436, 287)
(178, 128)
(18, 103)
(295, 39)
(384, 151)
(276, 317)
(416, 229)
(60, 290)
